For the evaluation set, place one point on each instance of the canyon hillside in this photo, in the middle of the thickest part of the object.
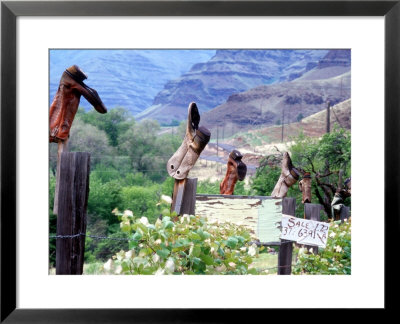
(211, 83)
(285, 102)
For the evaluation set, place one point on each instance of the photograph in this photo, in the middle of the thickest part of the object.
(184, 161)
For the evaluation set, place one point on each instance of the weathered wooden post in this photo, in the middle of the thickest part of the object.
(184, 196)
(62, 147)
(183, 160)
(312, 212)
(71, 219)
(344, 213)
(286, 248)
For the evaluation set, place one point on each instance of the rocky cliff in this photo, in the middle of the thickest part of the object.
(276, 103)
(211, 83)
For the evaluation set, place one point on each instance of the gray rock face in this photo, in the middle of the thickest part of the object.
(211, 83)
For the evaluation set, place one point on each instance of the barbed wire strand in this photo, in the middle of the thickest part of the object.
(127, 239)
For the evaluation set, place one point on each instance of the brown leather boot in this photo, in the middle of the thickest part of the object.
(196, 139)
(305, 188)
(66, 101)
(235, 170)
(288, 177)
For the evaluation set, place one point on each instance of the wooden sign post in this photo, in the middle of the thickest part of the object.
(286, 248)
(312, 212)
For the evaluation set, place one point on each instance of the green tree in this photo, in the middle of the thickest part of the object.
(114, 123)
(328, 160)
(88, 138)
(148, 151)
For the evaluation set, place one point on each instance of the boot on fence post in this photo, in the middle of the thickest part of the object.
(184, 159)
(288, 177)
(305, 188)
(235, 170)
(63, 110)
(338, 203)
(196, 139)
(66, 101)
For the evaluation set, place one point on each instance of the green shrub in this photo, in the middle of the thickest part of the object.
(103, 198)
(334, 259)
(188, 246)
(141, 200)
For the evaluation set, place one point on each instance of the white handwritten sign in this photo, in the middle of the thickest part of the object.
(304, 231)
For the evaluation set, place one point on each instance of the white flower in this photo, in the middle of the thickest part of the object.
(302, 251)
(144, 220)
(128, 255)
(252, 251)
(128, 213)
(332, 234)
(167, 199)
(338, 248)
(118, 270)
(311, 250)
(170, 265)
(124, 224)
(232, 264)
(243, 249)
(157, 242)
(185, 217)
(156, 258)
(160, 272)
(107, 265)
(158, 223)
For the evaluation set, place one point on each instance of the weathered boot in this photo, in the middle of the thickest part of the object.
(338, 200)
(66, 101)
(196, 139)
(235, 170)
(305, 188)
(288, 178)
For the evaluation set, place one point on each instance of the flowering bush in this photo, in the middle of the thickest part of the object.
(190, 245)
(334, 259)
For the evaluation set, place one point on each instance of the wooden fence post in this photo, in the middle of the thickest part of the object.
(184, 196)
(62, 147)
(312, 212)
(71, 219)
(344, 213)
(286, 248)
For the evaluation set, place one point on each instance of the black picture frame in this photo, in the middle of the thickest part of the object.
(10, 10)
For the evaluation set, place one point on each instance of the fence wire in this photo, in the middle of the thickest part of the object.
(53, 236)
